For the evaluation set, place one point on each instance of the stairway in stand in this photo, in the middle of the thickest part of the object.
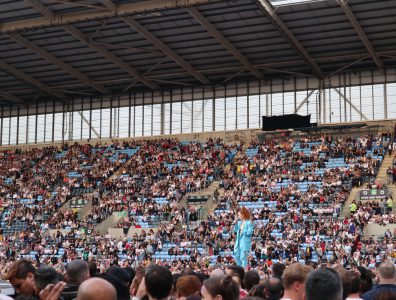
(382, 177)
(352, 196)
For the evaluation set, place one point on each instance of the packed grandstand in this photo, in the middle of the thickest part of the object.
(197, 149)
(296, 189)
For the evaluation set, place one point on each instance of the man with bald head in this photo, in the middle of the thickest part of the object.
(387, 281)
(96, 289)
(217, 273)
(77, 272)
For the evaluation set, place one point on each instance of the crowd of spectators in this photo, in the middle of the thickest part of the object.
(309, 281)
(295, 189)
(156, 178)
(35, 183)
(375, 212)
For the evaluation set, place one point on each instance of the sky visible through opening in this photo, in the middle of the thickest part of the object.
(292, 2)
(376, 102)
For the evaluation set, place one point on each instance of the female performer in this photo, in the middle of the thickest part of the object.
(244, 230)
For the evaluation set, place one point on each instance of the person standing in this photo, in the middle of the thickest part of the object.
(244, 230)
(387, 281)
(389, 204)
(353, 207)
(216, 195)
(390, 175)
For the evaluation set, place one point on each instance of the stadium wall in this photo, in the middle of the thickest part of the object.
(344, 97)
(230, 137)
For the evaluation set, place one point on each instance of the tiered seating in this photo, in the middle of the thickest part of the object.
(51, 177)
(251, 152)
(164, 255)
(308, 199)
(16, 227)
(161, 200)
(294, 189)
(129, 152)
(60, 154)
(170, 170)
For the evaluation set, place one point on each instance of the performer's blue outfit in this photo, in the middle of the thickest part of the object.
(243, 242)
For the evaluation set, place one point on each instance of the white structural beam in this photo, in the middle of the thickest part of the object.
(59, 63)
(89, 124)
(360, 32)
(165, 49)
(219, 37)
(142, 6)
(305, 100)
(285, 31)
(351, 104)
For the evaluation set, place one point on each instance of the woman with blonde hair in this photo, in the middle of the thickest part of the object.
(244, 230)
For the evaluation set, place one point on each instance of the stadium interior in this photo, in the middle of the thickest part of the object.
(134, 133)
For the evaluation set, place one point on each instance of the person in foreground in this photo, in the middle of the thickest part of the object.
(387, 281)
(77, 272)
(21, 277)
(157, 284)
(220, 288)
(96, 289)
(244, 230)
(323, 284)
(294, 278)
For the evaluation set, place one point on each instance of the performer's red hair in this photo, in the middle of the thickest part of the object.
(245, 213)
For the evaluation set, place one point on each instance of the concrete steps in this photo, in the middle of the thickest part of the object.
(209, 190)
(211, 208)
(86, 210)
(207, 208)
(382, 176)
(377, 230)
(109, 224)
(352, 196)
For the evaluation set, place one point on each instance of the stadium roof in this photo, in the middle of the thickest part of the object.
(56, 49)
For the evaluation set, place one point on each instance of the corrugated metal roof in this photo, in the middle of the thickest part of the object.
(321, 27)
